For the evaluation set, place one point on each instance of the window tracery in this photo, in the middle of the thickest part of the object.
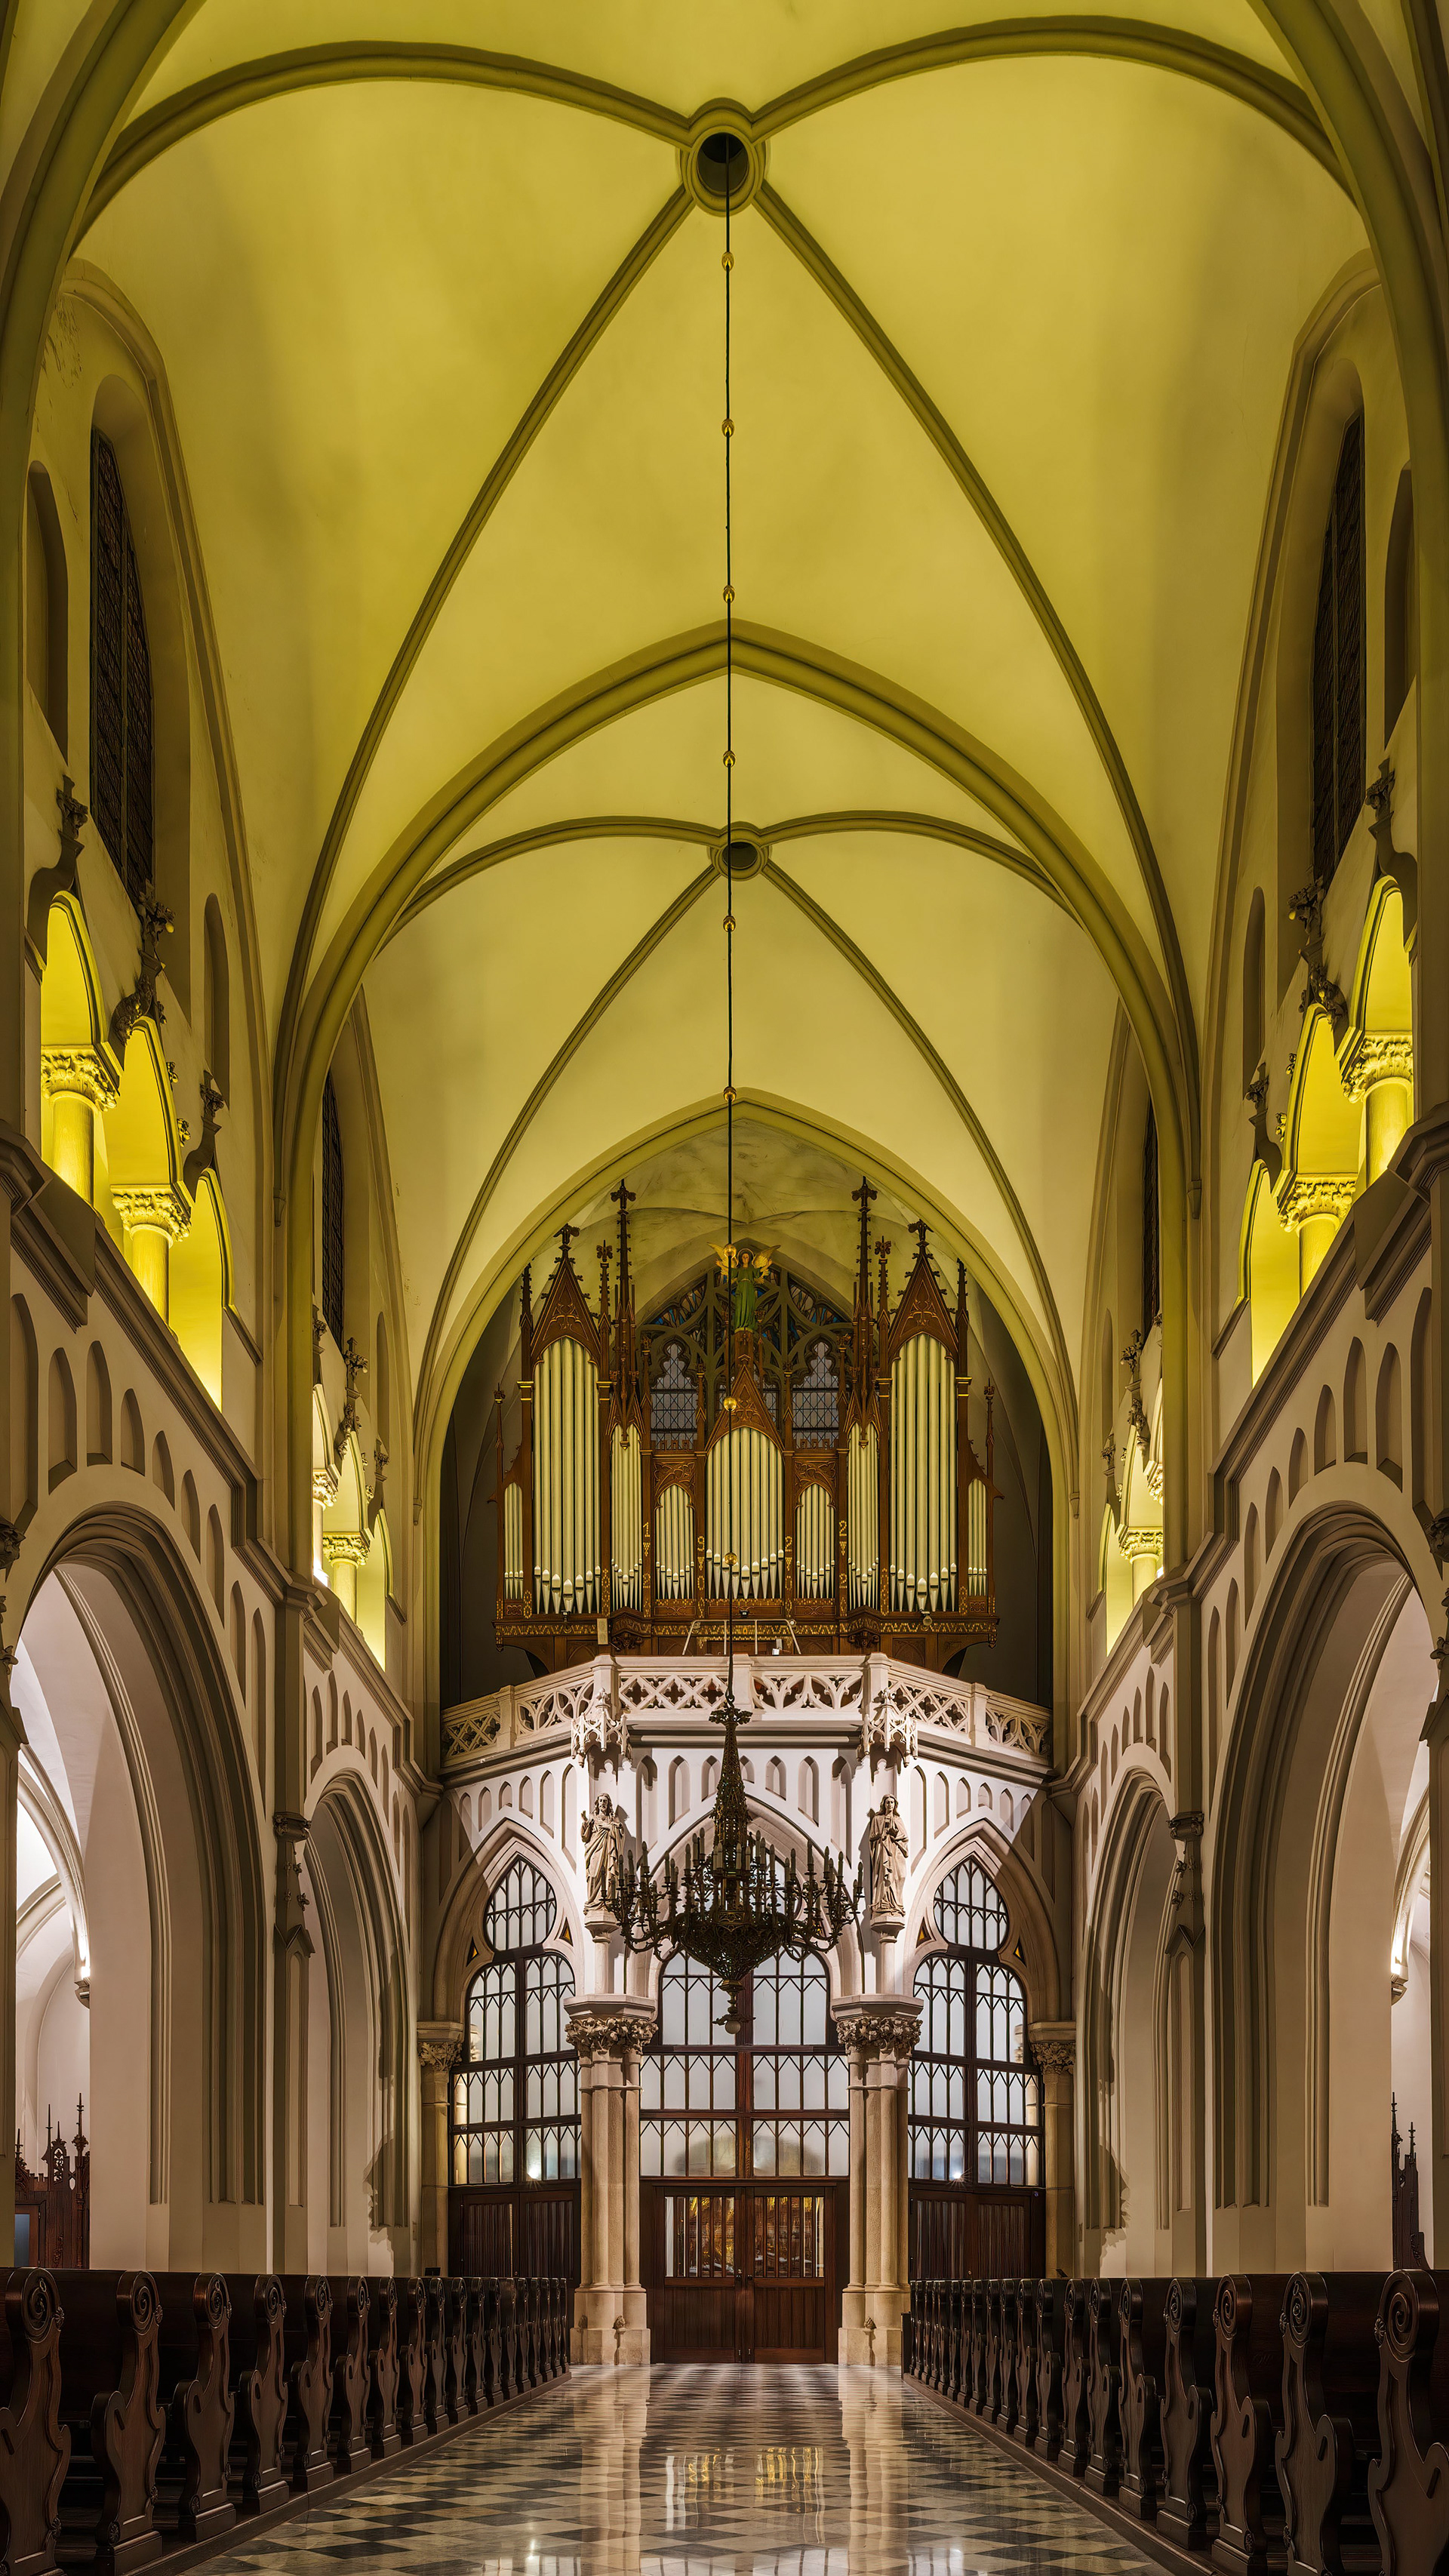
(975, 2110)
(515, 2097)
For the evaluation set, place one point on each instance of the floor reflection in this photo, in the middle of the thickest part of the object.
(706, 2472)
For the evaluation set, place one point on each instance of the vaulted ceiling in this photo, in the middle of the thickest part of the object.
(1013, 319)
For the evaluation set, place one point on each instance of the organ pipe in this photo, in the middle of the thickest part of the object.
(566, 1481)
(862, 1483)
(745, 1516)
(626, 1520)
(923, 1477)
(814, 1545)
(674, 1544)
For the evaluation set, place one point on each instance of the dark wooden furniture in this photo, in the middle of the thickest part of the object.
(307, 2344)
(1247, 2415)
(258, 2479)
(110, 2376)
(34, 2443)
(194, 2347)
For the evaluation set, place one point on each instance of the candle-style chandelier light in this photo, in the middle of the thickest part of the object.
(736, 1904)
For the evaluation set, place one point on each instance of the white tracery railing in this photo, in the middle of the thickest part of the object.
(892, 1703)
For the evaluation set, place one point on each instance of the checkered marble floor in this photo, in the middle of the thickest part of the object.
(702, 2472)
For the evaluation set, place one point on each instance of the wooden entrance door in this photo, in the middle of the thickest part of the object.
(741, 2274)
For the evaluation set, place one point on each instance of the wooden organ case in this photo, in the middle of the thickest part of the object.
(620, 1520)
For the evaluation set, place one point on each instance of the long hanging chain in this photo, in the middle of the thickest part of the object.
(731, 1258)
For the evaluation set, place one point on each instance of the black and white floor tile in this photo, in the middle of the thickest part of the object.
(702, 2472)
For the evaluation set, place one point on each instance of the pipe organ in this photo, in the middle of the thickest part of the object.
(747, 1444)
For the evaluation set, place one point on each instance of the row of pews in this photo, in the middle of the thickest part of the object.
(1297, 2423)
(147, 2411)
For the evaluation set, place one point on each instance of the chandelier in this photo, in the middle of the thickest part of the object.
(737, 1904)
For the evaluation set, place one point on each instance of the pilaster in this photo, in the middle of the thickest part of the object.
(880, 2032)
(438, 2045)
(608, 2031)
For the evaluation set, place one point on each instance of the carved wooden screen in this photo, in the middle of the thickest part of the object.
(803, 1341)
(515, 2112)
(975, 2136)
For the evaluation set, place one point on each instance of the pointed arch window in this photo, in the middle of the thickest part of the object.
(1338, 664)
(515, 2097)
(122, 700)
(333, 1212)
(975, 2111)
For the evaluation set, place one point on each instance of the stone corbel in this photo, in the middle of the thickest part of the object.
(1306, 909)
(202, 1157)
(356, 1367)
(290, 1931)
(63, 878)
(144, 1002)
(1132, 1363)
(1266, 1148)
(1397, 865)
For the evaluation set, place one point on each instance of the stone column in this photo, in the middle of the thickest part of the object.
(343, 1553)
(81, 1083)
(155, 1215)
(1054, 2045)
(880, 2032)
(608, 2032)
(438, 2045)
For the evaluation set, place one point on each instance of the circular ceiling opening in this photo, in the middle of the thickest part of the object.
(742, 857)
(722, 167)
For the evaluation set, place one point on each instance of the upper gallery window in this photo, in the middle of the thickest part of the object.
(1338, 664)
(122, 703)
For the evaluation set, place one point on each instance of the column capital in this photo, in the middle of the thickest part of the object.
(878, 2025)
(1054, 2044)
(439, 2043)
(610, 2025)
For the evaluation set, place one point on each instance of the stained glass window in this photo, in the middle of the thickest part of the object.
(515, 2094)
(975, 2114)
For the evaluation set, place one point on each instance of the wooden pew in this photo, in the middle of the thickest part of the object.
(958, 2337)
(435, 2341)
(475, 2355)
(1051, 2322)
(1248, 2398)
(512, 2380)
(493, 2340)
(194, 2347)
(384, 2433)
(1142, 2353)
(110, 2375)
(350, 2302)
(527, 2336)
(1028, 2323)
(34, 2443)
(1006, 2413)
(992, 2406)
(1408, 2484)
(977, 2395)
(412, 2361)
(1187, 2510)
(307, 2333)
(455, 2349)
(257, 2481)
(561, 2289)
(1076, 2447)
(1329, 2436)
(1104, 2388)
